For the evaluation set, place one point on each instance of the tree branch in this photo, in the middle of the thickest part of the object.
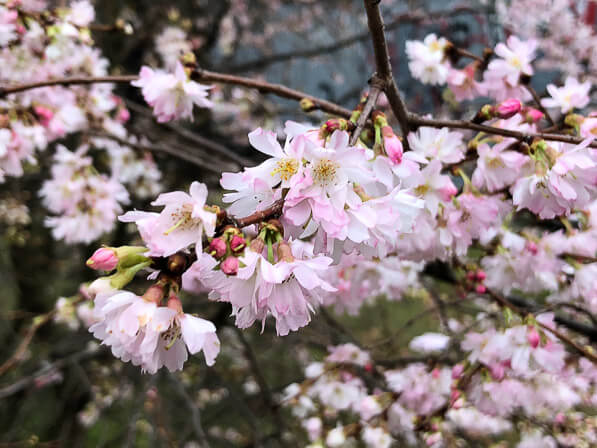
(417, 121)
(384, 67)
(374, 91)
(198, 75)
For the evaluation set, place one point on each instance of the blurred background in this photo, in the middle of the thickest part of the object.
(66, 392)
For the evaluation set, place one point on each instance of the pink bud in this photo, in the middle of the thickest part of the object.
(481, 289)
(229, 266)
(174, 303)
(560, 418)
(454, 395)
(435, 373)
(532, 247)
(217, 247)
(237, 243)
(508, 108)
(392, 144)
(44, 114)
(481, 275)
(470, 276)
(124, 115)
(104, 259)
(154, 293)
(457, 371)
(497, 371)
(533, 337)
(533, 115)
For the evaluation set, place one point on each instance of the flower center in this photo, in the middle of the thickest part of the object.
(182, 219)
(171, 335)
(286, 168)
(325, 172)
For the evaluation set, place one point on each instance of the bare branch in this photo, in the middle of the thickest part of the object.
(417, 121)
(384, 67)
(374, 91)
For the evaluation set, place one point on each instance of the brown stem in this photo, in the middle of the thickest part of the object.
(374, 91)
(384, 67)
(505, 303)
(266, 87)
(273, 211)
(38, 322)
(73, 80)
(199, 75)
(417, 121)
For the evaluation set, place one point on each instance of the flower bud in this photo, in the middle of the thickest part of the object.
(230, 265)
(104, 259)
(532, 115)
(154, 293)
(507, 108)
(392, 144)
(217, 247)
(99, 286)
(285, 252)
(237, 243)
(257, 245)
(497, 371)
(481, 275)
(307, 105)
(174, 303)
(177, 263)
(481, 289)
(533, 337)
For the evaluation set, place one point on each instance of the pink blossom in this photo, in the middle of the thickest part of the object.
(573, 95)
(497, 167)
(182, 222)
(172, 96)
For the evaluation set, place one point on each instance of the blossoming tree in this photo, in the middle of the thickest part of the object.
(481, 215)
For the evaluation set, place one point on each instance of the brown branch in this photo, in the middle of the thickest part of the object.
(198, 75)
(38, 322)
(273, 211)
(374, 91)
(419, 16)
(537, 100)
(505, 303)
(417, 121)
(266, 87)
(384, 67)
(74, 80)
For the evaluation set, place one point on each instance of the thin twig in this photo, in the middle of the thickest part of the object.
(505, 303)
(38, 322)
(198, 75)
(418, 121)
(374, 91)
(418, 16)
(195, 413)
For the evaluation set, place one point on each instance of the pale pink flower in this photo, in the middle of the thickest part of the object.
(463, 84)
(432, 186)
(438, 144)
(497, 167)
(183, 221)
(429, 343)
(172, 96)
(426, 59)
(573, 95)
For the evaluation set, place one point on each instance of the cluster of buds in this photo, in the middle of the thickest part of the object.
(226, 248)
(506, 109)
(385, 138)
(335, 124)
(474, 281)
